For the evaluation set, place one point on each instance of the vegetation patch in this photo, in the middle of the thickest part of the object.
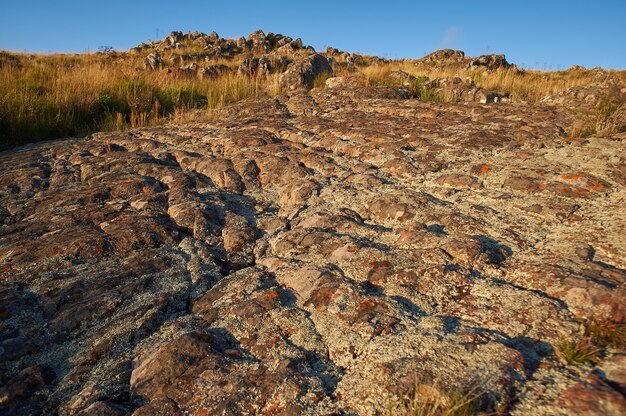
(51, 96)
(606, 334)
(431, 399)
(578, 351)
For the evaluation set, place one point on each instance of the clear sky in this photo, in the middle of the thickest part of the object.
(547, 34)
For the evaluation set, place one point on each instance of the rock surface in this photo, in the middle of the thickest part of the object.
(313, 254)
(301, 73)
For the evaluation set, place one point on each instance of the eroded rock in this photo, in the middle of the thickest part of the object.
(311, 254)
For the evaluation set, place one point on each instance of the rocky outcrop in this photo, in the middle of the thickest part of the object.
(153, 61)
(490, 62)
(443, 56)
(593, 93)
(312, 254)
(301, 73)
(455, 89)
(257, 43)
(452, 59)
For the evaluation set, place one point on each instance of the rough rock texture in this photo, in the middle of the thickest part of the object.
(153, 61)
(313, 254)
(490, 62)
(301, 73)
(448, 58)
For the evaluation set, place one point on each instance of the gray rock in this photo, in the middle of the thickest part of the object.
(173, 38)
(301, 73)
(490, 62)
(153, 61)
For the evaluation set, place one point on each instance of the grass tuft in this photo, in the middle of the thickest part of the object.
(320, 80)
(606, 333)
(432, 400)
(578, 351)
(52, 96)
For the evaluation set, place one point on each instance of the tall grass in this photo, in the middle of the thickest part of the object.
(50, 96)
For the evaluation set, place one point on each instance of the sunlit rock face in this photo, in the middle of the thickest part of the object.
(313, 254)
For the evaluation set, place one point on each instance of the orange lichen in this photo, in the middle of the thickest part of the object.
(595, 185)
(590, 183)
(273, 295)
(579, 191)
(574, 176)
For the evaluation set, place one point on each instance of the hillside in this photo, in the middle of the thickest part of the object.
(186, 76)
(351, 236)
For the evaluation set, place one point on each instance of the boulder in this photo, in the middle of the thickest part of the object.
(174, 38)
(257, 42)
(490, 62)
(301, 73)
(443, 56)
(248, 66)
(153, 61)
(214, 71)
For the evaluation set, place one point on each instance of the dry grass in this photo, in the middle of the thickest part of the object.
(595, 336)
(526, 85)
(606, 333)
(578, 351)
(49, 96)
(433, 400)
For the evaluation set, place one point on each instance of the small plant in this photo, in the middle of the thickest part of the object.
(606, 333)
(320, 80)
(429, 95)
(431, 400)
(578, 351)
(582, 132)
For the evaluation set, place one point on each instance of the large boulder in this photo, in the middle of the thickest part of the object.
(257, 42)
(174, 38)
(301, 73)
(153, 61)
(443, 56)
(490, 62)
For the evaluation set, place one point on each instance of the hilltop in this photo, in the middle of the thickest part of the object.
(186, 76)
(274, 230)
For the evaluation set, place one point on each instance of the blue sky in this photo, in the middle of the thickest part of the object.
(535, 34)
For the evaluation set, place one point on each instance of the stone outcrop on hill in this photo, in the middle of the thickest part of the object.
(261, 54)
(315, 254)
(448, 58)
(303, 72)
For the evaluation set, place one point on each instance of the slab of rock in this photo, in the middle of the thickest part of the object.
(312, 254)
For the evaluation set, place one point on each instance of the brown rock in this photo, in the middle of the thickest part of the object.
(156, 370)
(302, 254)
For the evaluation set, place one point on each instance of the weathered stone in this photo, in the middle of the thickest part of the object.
(310, 254)
(490, 62)
(153, 61)
(302, 72)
